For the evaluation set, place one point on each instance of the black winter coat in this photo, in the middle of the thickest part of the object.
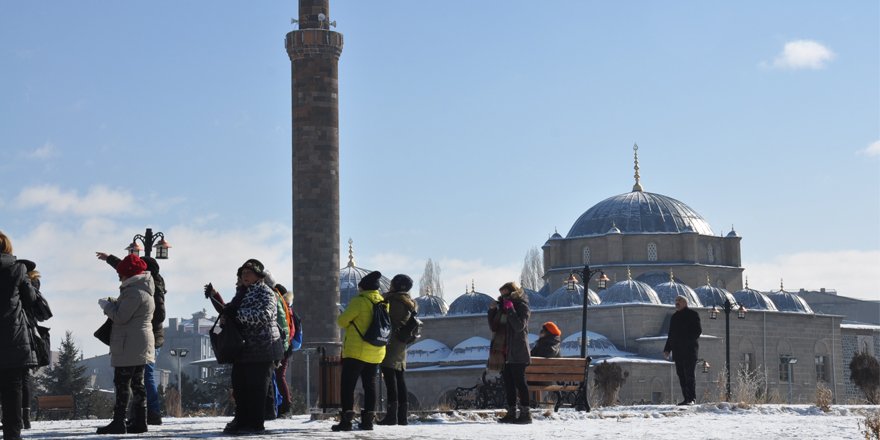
(16, 293)
(684, 331)
(517, 328)
(547, 347)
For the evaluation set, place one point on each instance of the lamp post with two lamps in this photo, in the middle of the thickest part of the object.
(571, 285)
(727, 307)
(179, 353)
(149, 241)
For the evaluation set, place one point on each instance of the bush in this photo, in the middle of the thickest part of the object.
(823, 397)
(609, 378)
(871, 426)
(864, 371)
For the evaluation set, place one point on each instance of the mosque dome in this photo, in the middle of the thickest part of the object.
(629, 291)
(655, 277)
(639, 212)
(536, 300)
(470, 303)
(597, 346)
(350, 276)
(562, 297)
(668, 291)
(789, 302)
(713, 296)
(751, 299)
(545, 290)
(475, 348)
(431, 305)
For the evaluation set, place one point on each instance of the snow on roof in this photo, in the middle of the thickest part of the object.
(427, 351)
(475, 348)
(860, 327)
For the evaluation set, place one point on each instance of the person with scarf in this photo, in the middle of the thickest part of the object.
(509, 322)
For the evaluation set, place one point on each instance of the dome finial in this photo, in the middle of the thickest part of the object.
(747, 281)
(472, 286)
(637, 186)
(781, 287)
(350, 252)
(629, 275)
(671, 276)
(708, 281)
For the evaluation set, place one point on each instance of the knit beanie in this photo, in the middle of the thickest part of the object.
(370, 281)
(551, 328)
(130, 266)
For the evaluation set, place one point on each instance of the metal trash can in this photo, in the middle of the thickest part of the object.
(330, 383)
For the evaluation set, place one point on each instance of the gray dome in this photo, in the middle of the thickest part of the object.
(430, 305)
(562, 297)
(789, 302)
(349, 277)
(751, 299)
(713, 296)
(655, 277)
(536, 300)
(668, 291)
(470, 303)
(629, 291)
(639, 212)
(545, 290)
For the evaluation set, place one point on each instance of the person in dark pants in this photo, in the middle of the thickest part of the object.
(360, 359)
(38, 312)
(510, 314)
(16, 293)
(394, 365)
(684, 331)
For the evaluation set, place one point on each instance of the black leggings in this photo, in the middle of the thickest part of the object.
(514, 376)
(352, 370)
(395, 384)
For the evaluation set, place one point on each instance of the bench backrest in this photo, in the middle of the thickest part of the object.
(556, 370)
(55, 402)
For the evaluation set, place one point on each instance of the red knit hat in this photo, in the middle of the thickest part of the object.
(552, 328)
(131, 265)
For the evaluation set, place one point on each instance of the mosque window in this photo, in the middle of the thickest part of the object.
(783, 369)
(822, 368)
(652, 251)
(586, 255)
(711, 253)
(748, 362)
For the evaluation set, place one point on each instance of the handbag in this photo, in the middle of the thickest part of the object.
(103, 332)
(226, 340)
(41, 344)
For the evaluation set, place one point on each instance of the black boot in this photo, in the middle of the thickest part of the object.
(116, 426)
(390, 415)
(402, 414)
(26, 418)
(138, 421)
(367, 418)
(154, 418)
(11, 433)
(344, 422)
(525, 417)
(510, 417)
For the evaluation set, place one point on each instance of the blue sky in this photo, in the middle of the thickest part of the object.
(469, 131)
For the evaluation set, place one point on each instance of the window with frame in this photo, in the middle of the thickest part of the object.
(784, 369)
(586, 255)
(822, 368)
(652, 251)
(748, 362)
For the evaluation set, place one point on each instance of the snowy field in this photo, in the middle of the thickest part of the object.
(706, 421)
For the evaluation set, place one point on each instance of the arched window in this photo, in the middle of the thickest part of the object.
(711, 253)
(586, 255)
(652, 251)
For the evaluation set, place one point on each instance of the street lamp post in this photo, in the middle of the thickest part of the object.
(790, 364)
(307, 352)
(179, 353)
(586, 275)
(150, 240)
(727, 307)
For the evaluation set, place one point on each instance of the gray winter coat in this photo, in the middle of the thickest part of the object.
(131, 340)
(401, 306)
(16, 292)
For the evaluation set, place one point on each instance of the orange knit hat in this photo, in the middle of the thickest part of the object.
(552, 328)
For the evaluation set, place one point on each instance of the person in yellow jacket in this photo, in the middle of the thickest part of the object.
(360, 359)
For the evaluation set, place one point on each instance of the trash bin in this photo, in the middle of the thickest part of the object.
(330, 383)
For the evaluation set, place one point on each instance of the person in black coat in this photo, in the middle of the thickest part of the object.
(548, 342)
(16, 294)
(510, 315)
(684, 331)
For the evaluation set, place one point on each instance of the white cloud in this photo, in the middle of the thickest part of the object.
(852, 273)
(872, 150)
(46, 151)
(803, 54)
(99, 201)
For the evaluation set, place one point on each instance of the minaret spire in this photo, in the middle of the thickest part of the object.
(637, 186)
(350, 252)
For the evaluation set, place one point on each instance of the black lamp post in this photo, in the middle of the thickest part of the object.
(150, 240)
(727, 307)
(179, 353)
(586, 275)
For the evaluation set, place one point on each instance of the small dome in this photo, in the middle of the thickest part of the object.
(431, 305)
(629, 291)
(668, 291)
(655, 277)
(639, 212)
(349, 277)
(545, 290)
(555, 236)
(713, 296)
(427, 351)
(789, 302)
(732, 233)
(475, 348)
(536, 300)
(562, 297)
(597, 346)
(751, 299)
(470, 303)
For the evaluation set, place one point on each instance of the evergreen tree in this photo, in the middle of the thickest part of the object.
(66, 377)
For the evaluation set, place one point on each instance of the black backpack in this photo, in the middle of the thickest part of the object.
(412, 328)
(379, 331)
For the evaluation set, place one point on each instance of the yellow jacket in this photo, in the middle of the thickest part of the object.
(360, 312)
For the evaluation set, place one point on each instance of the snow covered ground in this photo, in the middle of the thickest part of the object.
(706, 421)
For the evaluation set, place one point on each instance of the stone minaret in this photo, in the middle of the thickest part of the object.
(314, 55)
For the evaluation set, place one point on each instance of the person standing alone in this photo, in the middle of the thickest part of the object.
(684, 331)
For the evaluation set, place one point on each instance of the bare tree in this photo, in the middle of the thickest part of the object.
(430, 281)
(532, 275)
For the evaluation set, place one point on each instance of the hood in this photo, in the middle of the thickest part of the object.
(144, 280)
(404, 297)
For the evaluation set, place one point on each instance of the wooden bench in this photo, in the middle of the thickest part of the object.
(565, 378)
(55, 404)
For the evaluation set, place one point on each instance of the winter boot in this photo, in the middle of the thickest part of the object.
(116, 426)
(402, 414)
(390, 415)
(11, 433)
(525, 417)
(367, 418)
(26, 418)
(154, 418)
(138, 421)
(510, 417)
(344, 422)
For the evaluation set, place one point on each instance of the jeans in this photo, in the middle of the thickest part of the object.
(152, 387)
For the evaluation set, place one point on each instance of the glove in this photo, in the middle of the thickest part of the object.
(507, 304)
(104, 303)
